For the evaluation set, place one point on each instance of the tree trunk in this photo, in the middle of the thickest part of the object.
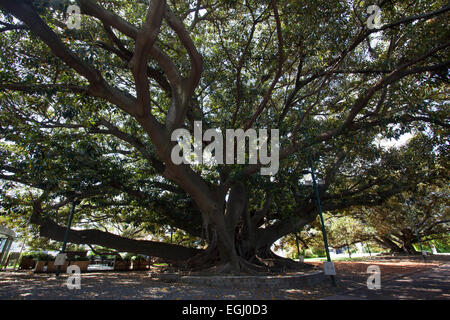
(386, 242)
(348, 250)
(408, 248)
(408, 238)
(236, 241)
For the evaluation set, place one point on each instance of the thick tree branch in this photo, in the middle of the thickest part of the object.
(52, 230)
(98, 87)
(145, 40)
(268, 94)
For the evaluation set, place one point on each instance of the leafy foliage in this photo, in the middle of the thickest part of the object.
(312, 69)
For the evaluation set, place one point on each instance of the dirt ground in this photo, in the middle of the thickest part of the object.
(389, 267)
(139, 285)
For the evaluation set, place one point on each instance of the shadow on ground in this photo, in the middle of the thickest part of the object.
(401, 279)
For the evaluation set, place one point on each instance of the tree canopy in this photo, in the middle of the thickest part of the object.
(418, 216)
(86, 116)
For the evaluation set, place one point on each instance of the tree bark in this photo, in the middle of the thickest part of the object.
(386, 242)
(50, 229)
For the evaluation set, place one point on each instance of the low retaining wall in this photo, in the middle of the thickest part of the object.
(288, 281)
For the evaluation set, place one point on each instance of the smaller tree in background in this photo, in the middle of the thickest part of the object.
(342, 231)
(411, 217)
(397, 225)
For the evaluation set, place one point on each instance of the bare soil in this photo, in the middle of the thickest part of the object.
(139, 285)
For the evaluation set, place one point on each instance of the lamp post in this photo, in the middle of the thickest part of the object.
(66, 236)
(319, 204)
(420, 243)
(368, 248)
(298, 246)
(319, 208)
(415, 223)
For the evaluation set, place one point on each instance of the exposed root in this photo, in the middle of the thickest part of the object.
(265, 262)
(208, 265)
(242, 267)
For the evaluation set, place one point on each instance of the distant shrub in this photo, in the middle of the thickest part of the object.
(41, 256)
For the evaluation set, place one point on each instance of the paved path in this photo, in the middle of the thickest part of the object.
(424, 285)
